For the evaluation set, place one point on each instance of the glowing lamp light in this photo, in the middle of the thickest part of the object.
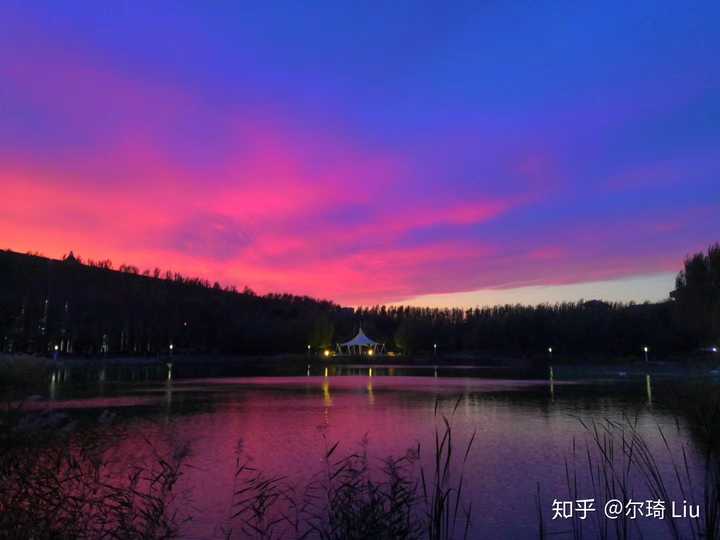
(714, 349)
(56, 347)
(549, 349)
(326, 353)
(370, 352)
(171, 346)
(645, 349)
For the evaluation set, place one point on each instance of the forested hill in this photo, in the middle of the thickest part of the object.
(89, 308)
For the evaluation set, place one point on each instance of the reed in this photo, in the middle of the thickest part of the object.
(617, 461)
(56, 483)
(349, 499)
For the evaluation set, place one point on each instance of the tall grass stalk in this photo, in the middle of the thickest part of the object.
(56, 483)
(621, 464)
(351, 500)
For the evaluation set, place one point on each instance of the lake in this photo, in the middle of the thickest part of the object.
(525, 430)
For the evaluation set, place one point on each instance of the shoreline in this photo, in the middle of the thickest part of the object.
(479, 360)
(23, 370)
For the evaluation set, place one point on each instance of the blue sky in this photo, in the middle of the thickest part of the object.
(368, 152)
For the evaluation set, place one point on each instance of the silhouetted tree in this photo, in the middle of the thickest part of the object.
(697, 296)
(91, 309)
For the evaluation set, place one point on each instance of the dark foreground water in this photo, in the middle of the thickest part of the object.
(525, 432)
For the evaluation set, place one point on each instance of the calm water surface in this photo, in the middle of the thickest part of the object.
(525, 430)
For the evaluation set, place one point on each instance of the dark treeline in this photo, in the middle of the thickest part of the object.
(89, 308)
(583, 327)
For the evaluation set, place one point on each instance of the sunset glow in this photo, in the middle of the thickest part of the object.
(364, 159)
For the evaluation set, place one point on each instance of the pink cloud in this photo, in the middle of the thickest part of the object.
(282, 207)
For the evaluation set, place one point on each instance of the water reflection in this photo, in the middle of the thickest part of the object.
(53, 386)
(525, 432)
(552, 384)
(327, 398)
(371, 395)
(168, 395)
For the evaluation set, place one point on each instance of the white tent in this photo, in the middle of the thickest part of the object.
(359, 343)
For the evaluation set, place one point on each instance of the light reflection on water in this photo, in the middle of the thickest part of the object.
(525, 429)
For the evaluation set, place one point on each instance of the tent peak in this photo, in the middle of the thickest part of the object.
(360, 340)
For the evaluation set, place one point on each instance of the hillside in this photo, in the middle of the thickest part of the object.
(91, 308)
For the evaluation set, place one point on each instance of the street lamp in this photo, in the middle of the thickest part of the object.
(434, 348)
(645, 350)
(550, 352)
(171, 348)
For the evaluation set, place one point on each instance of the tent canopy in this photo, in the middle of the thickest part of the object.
(356, 344)
(360, 340)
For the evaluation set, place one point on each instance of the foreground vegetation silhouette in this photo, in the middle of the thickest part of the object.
(57, 481)
(616, 461)
(351, 500)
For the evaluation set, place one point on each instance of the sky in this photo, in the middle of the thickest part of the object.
(432, 153)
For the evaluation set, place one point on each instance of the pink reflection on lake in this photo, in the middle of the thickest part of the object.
(279, 423)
